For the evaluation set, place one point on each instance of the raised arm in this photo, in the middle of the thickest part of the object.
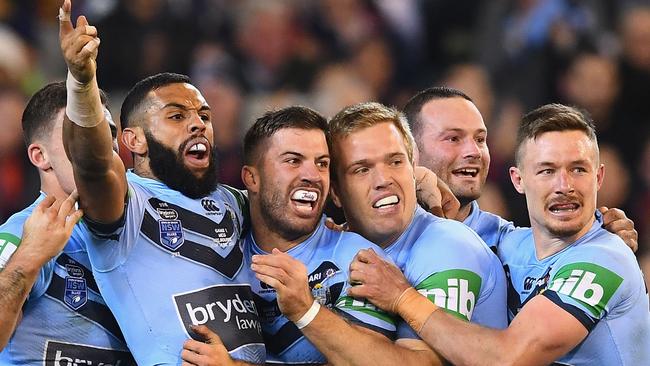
(98, 170)
(44, 235)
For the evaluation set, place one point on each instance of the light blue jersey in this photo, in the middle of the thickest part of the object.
(490, 227)
(447, 262)
(327, 255)
(65, 320)
(176, 262)
(598, 281)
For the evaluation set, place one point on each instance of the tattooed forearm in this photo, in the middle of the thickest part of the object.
(15, 284)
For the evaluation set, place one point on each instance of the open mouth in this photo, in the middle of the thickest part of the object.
(386, 202)
(197, 152)
(304, 200)
(559, 208)
(466, 172)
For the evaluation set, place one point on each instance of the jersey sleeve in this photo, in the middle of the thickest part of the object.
(590, 283)
(112, 243)
(361, 311)
(458, 273)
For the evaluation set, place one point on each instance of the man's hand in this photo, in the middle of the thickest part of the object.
(434, 195)
(79, 45)
(615, 221)
(212, 352)
(48, 228)
(377, 280)
(288, 276)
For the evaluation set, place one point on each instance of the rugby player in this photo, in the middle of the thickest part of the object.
(577, 293)
(164, 245)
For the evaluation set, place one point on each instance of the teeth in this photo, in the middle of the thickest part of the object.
(199, 147)
(390, 200)
(303, 195)
(564, 207)
(472, 171)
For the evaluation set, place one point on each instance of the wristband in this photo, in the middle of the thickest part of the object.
(83, 106)
(414, 308)
(309, 315)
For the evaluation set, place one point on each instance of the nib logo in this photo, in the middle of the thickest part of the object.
(454, 290)
(588, 283)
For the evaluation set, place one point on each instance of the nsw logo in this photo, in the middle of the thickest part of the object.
(171, 233)
(228, 310)
(76, 292)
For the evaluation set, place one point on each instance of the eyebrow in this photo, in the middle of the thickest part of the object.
(204, 107)
(365, 161)
(480, 130)
(302, 156)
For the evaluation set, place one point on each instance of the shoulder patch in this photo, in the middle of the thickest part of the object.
(589, 284)
(8, 245)
(455, 290)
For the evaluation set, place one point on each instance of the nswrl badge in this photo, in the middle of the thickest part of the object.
(171, 234)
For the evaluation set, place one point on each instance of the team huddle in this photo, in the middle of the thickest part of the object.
(162, 265)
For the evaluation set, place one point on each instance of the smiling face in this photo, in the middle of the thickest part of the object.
(375, 183)
(560, 175)
(293, 182)
(452, 143)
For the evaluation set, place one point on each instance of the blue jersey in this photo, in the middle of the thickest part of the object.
(447, 262)
(490, 227)
(176, 262)
(64, 318)
(598, 281)
(327, 255)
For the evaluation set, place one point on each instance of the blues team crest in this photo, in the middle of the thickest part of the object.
(171, 234)
(76, 292)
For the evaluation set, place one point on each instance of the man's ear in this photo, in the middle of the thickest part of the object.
(38, 156)
(334, 196)
(134, 139)
(516, 179)
(250, 177)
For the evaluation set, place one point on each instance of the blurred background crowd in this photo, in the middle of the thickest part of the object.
(248, 56)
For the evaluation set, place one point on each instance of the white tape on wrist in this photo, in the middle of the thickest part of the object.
(84, 105)
(309, 316)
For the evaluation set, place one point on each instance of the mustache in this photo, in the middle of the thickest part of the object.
(307, 184)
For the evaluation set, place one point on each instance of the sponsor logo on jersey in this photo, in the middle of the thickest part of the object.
(228, 310)
(171, 233)
(455, 290)
(70, 354)
(317, 277)
(8, 245)
(210, 206)
(589, 284)
(167, 213)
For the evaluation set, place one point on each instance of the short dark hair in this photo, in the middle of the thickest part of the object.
(273, 121)
(553, 118)
(414, 105)
(42, 108)
(139, 92)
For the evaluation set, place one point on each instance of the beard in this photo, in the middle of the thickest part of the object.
(168, 166)
(273, 206)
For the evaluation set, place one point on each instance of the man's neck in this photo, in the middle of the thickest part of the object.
(464, 211)
(547, 244)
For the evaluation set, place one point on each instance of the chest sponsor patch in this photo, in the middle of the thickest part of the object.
(228, 310)
(589, 284)
(70, 354)
(171, 233)
(455, 290)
